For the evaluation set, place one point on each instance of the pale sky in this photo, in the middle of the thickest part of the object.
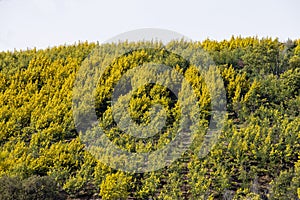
(43, 23)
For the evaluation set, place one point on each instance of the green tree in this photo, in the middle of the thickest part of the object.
(115, 186)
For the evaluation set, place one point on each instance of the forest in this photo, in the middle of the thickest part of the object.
(44, 155)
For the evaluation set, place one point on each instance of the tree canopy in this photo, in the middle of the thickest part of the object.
(42, 155)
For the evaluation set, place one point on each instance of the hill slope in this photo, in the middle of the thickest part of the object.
(256, 156)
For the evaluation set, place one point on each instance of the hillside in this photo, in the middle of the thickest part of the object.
(43, 150)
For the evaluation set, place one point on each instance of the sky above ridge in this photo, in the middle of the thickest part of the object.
(43, 23)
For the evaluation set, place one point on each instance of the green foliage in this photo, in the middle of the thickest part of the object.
(115, 186)
(41, 188)
(33, 188)
(256, 156)
(10, 188)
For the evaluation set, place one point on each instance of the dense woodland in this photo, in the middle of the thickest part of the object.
(257, 155)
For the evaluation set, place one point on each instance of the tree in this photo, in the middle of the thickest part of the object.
(115, 186)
